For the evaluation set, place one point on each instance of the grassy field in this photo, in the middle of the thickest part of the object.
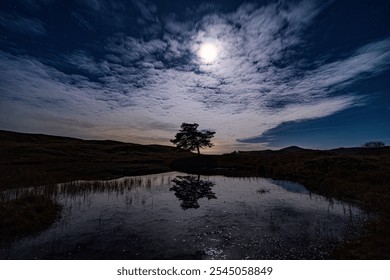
(361, 175)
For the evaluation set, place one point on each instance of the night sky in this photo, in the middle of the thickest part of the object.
(262, 74)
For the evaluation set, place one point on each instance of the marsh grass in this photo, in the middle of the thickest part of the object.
(26, 215)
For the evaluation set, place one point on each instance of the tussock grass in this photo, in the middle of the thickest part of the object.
(26, 215)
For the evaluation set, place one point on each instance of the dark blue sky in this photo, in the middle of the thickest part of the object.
(308, 73)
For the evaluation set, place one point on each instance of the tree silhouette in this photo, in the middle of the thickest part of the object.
(189, 138)
(189, 189)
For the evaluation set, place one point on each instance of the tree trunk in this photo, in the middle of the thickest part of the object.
(197, 147)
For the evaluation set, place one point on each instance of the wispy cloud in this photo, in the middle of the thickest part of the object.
(82, 21)
(23, 25)
(32, 6)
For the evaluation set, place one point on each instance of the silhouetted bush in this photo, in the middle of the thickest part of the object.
(373, 144)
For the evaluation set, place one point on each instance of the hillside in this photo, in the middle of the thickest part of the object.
(31, 159)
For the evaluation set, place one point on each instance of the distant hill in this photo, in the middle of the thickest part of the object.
(37, 158)
(293, 149)
(23, 139)
(11, 136)
(297, 150)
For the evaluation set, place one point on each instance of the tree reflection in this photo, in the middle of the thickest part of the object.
(189, 189)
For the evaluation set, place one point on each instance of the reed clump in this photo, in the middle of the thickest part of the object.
(26, 215)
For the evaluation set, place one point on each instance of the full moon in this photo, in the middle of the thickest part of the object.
(208, 52)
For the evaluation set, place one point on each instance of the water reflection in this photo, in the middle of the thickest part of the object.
(139, 217)
(189, 189)
(291, 186)
(82, 188)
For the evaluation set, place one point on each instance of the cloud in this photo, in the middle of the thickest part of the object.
(147, 10)
(87, 63)
(82, 21)
(144, 87)
(32, 5)
(23, 25)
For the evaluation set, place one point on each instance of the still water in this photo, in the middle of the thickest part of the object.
(181, 216)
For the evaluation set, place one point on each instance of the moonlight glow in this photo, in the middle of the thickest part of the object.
(208, 52)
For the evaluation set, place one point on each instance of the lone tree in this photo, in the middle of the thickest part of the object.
(189, 138)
